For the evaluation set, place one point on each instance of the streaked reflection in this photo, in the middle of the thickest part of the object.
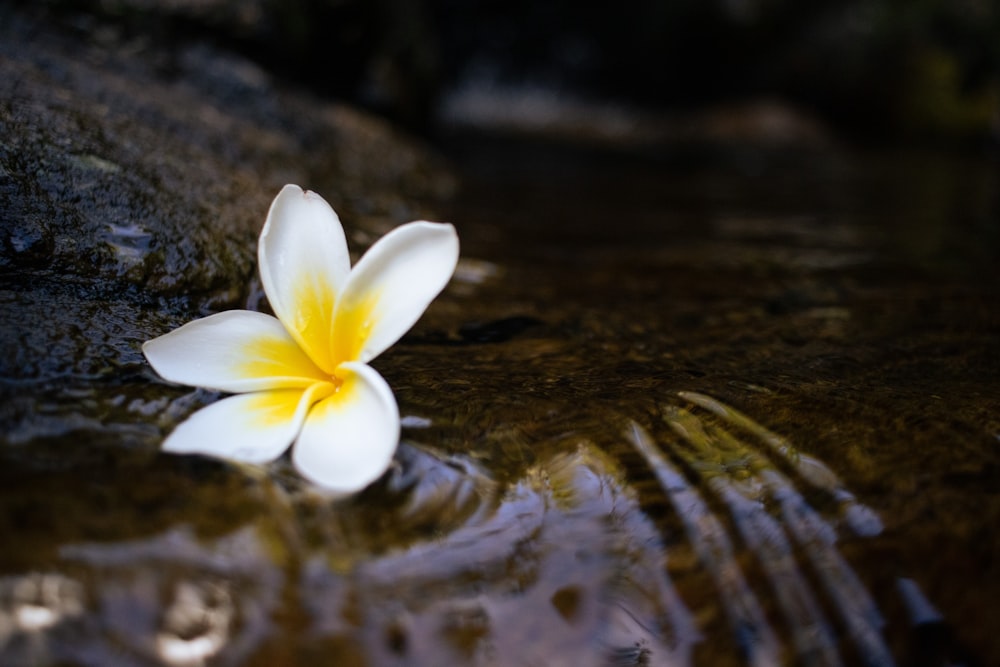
(730, 460)
(563, 563)
(697, 537)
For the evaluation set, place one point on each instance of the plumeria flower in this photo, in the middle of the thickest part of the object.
(304, 377)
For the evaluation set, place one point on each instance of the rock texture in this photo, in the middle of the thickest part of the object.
(134, 181)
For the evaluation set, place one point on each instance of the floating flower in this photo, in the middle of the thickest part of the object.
(304, 377)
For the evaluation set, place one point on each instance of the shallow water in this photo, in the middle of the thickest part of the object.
(683, 404)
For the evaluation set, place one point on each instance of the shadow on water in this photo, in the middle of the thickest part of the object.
(592, 471)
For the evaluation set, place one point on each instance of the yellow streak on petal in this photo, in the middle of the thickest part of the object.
(311, 314)
(352, 328)
(274, 357)
(272, 408)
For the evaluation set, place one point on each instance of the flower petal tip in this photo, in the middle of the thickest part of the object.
(350, 438)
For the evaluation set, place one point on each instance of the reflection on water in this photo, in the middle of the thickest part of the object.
(562, 503)
(31, 606)
(196, 624)
(170, 599)
(774, 522)
(571, 564)
(568, 542)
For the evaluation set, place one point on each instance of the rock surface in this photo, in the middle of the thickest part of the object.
(135, 181)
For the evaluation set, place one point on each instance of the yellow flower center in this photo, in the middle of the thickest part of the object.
(275, 357)
(352, 329)
(271, 408)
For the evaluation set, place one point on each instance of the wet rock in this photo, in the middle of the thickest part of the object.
(383, 54)
(135, 178)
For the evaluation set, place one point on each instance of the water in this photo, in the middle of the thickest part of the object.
(721, 404)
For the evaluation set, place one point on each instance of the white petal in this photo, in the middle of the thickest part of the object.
(390, 288)
(237, 351)
(253, 428)
(349, 438)
(303, 266)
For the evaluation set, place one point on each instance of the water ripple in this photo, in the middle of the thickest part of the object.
(716, 457)
(719, 544)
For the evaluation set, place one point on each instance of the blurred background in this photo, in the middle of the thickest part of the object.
(881, 70)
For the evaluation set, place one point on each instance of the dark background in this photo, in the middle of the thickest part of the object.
(879, 70)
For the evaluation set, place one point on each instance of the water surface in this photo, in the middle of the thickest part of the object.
(687, 403)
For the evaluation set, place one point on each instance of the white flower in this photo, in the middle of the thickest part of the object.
(304, 377)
